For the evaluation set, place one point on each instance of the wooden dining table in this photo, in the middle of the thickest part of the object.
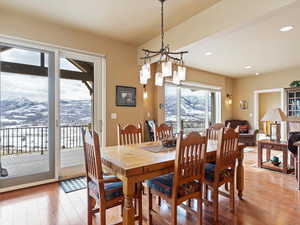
(136, 163)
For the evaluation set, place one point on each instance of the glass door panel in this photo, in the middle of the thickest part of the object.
(171, 107)
(76, 112)
(26, 154)
(194, 111)
(190, 108)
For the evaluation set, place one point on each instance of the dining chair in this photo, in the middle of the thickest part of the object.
(106, 191)
(162, 132)
(213, 133)
(186, 181)
(130, 134)
(223, 170)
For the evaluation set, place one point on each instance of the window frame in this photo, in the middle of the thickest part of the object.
(216, 118)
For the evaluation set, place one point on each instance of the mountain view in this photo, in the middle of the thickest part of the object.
(193, 108)
(22, 112)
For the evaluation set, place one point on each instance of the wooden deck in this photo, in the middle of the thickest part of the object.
(32, 163)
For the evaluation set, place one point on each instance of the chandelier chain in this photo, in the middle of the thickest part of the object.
(164, 51)
(162, 25)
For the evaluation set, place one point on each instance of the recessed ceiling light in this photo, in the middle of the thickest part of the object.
(286, 28)
(208, 53)
(248, 67)
(257, 74)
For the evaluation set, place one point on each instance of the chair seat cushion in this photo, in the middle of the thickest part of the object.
(112, 190)
(210, 172)
(164, 184)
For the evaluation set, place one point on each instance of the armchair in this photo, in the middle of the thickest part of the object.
(247, 135)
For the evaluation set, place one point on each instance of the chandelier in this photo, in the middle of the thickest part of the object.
(168, 60)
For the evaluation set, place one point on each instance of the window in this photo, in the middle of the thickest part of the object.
(191, 108)
(23, 56)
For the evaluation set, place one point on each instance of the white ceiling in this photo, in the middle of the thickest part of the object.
(260, 45)
(131, 21)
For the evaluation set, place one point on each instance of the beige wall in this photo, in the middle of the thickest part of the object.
(121, 61)
(244, 89)
(268, 101)
(203, 77)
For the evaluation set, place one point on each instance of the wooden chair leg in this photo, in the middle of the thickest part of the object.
(205, 192)
(135, 206)
(140, 210)
(159, 201)
(232, 200)
(215, 199)
(90, 211)
(174, 214)
(122, 207)
(226, 187)
(102, 216)
(199, 209)
(149, 196)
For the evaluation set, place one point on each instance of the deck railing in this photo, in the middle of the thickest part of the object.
(189, 126)
(35, 139)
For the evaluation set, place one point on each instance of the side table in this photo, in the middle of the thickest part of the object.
(271, 145)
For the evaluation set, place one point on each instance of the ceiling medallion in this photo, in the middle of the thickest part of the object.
(167, 59)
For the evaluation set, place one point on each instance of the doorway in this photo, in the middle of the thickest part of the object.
(47, 95)
(265, 100)
(77, 75)
(27, 134)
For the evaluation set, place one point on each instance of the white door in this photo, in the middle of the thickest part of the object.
(80, 107)
(27, 114)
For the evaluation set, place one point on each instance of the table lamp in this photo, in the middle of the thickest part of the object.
(275, 116)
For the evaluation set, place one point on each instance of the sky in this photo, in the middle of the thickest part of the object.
(35, 88)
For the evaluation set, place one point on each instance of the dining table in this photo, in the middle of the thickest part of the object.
(136, 163)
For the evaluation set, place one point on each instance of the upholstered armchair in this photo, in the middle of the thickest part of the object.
(247, 135)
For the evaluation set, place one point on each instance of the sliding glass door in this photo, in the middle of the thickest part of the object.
(26, 130)
(76, 109)
(190, 108)
(47, 96)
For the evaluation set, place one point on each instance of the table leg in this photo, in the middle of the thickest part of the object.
(259, 155)
(240, 175)
(128, 211)
(285, 160)
(268, 154)
(292, 161)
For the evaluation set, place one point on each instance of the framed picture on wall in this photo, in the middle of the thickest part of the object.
(126, 96)
(243, 105)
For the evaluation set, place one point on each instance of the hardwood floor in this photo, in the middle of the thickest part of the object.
(270, 198)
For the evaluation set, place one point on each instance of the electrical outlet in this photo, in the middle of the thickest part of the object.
(114, 116)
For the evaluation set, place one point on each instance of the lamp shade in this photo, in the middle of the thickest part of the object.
(143, 78)
(159, 80)
(274, 115)
(166, 69)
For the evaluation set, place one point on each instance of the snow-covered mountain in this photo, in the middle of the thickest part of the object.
(192, 108)
(24, 112)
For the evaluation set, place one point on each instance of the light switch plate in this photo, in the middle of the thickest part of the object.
(114, 116)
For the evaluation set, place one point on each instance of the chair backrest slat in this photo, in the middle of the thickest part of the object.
(162, 132)
(227, 151)
(130, 134)
(190, 158)
(213, 131)
(92, 155)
